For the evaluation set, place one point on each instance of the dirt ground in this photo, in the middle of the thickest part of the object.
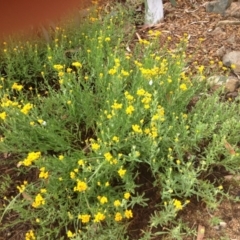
(189, 17)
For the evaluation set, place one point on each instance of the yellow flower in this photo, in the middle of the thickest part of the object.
(95, 146)
(40, 121)
(43, 190)
(103, 200)
(17, 87)
(26, 108)
(140, 92)
(77, 64)
(72, 175)
(124, 73)
(115, 139)
(30, 235)
(128, 96)
(130, 109)
(108, 156)
(127, 195)
(22, 187)
(58, 67)
(39, 200)
(112, 71)
(183, 87)
(3, 115)
(99, 217)
(32, 156)
(70, 234)
(122, 172)
(81, 186)
(107, 39)
(60, 157)
(43, 173)
(117, 203)
(85, 218)
(118, 217)
(81, 162)
(116, 105)
(69, 70)
(136, 128)
(177, 204)
(200, 69)
(128, 214)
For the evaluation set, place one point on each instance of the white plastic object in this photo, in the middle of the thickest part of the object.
(154, 11)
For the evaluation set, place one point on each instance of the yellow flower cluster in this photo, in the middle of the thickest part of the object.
(159, 114)
(85, 218)
(130, 109)
(147, 97)
(3, 115)
(95, 146)
(116, 105)
(26, 108)
(8, 103)
(99, 217)
(102, 199)
(108, 157)
(81, 186)
(30, 235)
(39, 200)
(118, 217)
(113, 70)
(17, 87)
(122, 172)
(136, 128)
(32, 156)
(43, 173)
(177, 204)
(22, 187)
(77, 64)
(70, 234)
(128, 214)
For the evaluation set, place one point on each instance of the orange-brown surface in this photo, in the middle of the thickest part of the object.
(21, 15)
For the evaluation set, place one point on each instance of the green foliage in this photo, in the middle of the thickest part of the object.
(173, 2)
(96, 124)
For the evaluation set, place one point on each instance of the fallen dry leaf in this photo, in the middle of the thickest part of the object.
(201, 231)
(27, 197)
(229, 147)
(230, 177)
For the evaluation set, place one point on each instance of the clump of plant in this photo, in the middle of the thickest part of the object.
(101, 120)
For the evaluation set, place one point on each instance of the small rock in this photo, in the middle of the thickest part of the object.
(234, 10)
(216, 81)
(232, 84)
(220, 52)
(217, 31)
(223, 224)
(216, 227)
(219, 6)
(232, 58)
(220, 226)
(232, 39)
